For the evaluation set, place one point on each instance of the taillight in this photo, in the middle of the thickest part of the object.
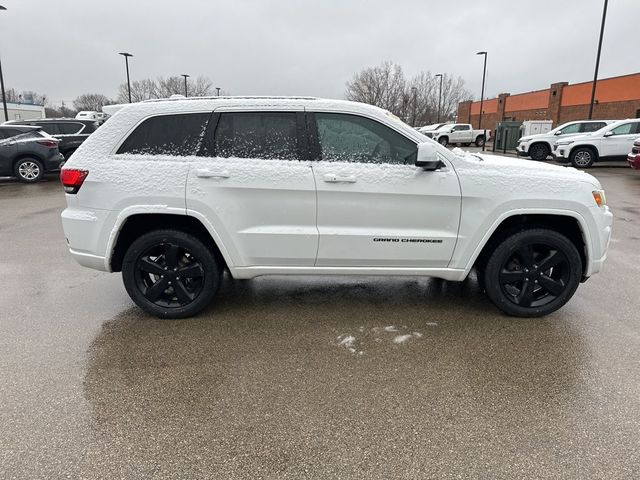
(48, 143)
(72, 179)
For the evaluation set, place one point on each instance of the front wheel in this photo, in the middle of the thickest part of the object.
(29, 170)
(539, 151)
(443, 141)
(533, 273)
(582, 157)
(170, 274)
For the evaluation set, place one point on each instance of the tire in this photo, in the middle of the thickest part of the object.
(479, 141)
(539, 151)
(443, 141)
(533, 273)
(29, 170)
(582, 157)
(466, 144)
(158, 262)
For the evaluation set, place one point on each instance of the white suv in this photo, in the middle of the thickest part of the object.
(540, 146)
(174, 192)
(612, 142)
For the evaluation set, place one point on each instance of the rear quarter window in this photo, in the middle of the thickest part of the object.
(179, 135)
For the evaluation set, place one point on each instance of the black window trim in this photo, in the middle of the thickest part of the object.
(314, 138)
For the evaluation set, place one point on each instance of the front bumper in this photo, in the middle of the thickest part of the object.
(634, 160)
(523, 149)
(561, 152)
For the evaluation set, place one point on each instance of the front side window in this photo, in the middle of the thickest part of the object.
(351, 138)
(573, 128)
(624, 129)
(179, 135)
(592, 126)
(265, 135)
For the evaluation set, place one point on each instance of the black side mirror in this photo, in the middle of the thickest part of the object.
(429, 165)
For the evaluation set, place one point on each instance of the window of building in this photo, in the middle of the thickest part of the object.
(268, 135)
(350, 138)
(179, 135)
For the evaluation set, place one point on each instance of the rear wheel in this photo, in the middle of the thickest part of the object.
(533, 273)
(29, 170)
(582, 157)
(170, 274)
(480, 141)
(539, 151)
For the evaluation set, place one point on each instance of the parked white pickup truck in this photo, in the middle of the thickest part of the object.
(459, 133)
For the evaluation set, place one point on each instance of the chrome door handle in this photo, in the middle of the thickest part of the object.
(332, 178)
(206, 173)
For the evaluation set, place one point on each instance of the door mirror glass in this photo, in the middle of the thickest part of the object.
(427, 157)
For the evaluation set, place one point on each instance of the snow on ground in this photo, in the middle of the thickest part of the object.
(355, 344)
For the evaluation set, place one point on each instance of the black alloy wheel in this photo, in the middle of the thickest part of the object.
(539, 151)
(533, 273)
(170, 274)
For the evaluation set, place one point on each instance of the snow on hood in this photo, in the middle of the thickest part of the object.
(517, 168)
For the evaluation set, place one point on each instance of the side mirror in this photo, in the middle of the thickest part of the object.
(608, 134)
(427, 157)
(559, 132)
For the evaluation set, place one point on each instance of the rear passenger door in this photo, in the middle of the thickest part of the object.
(254, 186)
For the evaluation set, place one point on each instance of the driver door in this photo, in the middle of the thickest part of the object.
(375, 207)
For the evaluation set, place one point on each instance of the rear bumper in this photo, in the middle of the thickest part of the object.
(634, 160)
(85, 231)
(54, 163)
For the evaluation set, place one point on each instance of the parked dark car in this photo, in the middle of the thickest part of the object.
(70, 132)
(27, 152)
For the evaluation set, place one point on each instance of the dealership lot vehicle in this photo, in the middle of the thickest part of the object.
(459, 134)
(613, 142)
(69, 132)
(173, 192)
(27, 152)
(634, 157)
(540, 146)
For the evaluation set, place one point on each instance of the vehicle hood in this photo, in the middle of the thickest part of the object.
(516, 172)
(526, 138)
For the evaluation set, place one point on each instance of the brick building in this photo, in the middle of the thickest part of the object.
(616, 98)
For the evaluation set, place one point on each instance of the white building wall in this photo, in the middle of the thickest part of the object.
(21, 111)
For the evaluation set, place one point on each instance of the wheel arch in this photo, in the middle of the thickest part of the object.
(23, 156)
(137, 224)
(567, 223)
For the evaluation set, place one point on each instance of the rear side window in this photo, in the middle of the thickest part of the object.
(179, 135)
(268, 135)
(592, 126)
(69, 128)
(50, 128)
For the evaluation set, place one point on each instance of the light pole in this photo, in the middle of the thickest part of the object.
(4, 95)
(415, 95)
(186, 92)
(484, 75)
(126, 61)
(439, 95)
(595, 75)
(218, 91)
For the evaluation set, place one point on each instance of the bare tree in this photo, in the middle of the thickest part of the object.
(385, 86)
(92, 102)
(164, 87)
(25, 96)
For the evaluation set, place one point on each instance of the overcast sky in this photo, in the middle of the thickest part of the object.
(309, 47)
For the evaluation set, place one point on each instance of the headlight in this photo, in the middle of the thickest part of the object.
(599, 197)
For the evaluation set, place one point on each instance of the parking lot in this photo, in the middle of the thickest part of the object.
(312, 377)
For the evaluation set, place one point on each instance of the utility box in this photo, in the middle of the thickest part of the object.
(534, 127)
(507, 135)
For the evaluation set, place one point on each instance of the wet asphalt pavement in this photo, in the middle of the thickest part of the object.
(267, 383)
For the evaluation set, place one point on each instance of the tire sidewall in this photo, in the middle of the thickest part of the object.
(581, 149)
(212, 272)
(443, 141)
(16, 170)
(507, 248)
(479, 141)
(544, 149)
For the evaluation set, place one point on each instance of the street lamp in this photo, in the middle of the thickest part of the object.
(126, 61)
(218, 91)
(415, 94)
(439, 95)
(484, 74)
(4, 95)
(595, 75)
(186, 93)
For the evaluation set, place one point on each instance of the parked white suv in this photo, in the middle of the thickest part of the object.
(459, 134)
(173, 192)
(612, 142)
(541, 145)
